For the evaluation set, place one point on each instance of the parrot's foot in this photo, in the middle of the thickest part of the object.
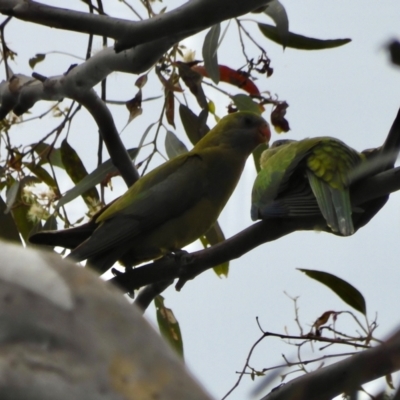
(178, 255)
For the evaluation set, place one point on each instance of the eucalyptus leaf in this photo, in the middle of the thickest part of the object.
(173, 146)
(94, 178)
(8, 229)
(195, 126)
(11, 196)
(300, 42)
(169, 326)
(245, 103)
(277, 12)
(210, 47)
(348, 293)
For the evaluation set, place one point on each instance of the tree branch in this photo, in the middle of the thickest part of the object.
(344, 376)
(189, 266)
(190, 18)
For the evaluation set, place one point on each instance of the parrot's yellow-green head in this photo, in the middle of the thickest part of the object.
(243, 130)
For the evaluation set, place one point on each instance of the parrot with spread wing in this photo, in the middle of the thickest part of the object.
(172, 205)
(307, 178)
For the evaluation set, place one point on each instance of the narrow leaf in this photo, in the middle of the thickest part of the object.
(11, 196)
(173, 146)
(195, 126)
(36, 60)
(213, 236)
(277, 12)
(91, 180)
(193, 81)
(142, 139)
(8, 228)
(210, 47)
(47, 154)
(169, 326)
(348, 293)
(24, 224)
(77, 171)
(300, 42)
(42, 174)
(170, 107)
(245, 103)
(234, 77)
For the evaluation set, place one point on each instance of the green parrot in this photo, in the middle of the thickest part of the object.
(304, 178)
(172, 205)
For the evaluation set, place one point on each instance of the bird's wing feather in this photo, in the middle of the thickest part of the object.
(278, 165)
(186, 185)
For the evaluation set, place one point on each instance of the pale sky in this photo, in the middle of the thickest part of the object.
(351, 93)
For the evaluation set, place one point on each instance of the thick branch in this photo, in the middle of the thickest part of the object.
(344, 376)
(109, 134)
(190, 18)
(188, 267)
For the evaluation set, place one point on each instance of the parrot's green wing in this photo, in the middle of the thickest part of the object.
(145, 206)
(328, 169)
(278, 166)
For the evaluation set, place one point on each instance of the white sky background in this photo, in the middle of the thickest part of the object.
(351, 93)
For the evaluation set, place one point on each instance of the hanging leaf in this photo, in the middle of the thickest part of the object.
(394, 51)
(141, 81)
(77, 171)
(278, 119)
(8, 228)
(193, 81)
(277, 12)
(245, 103)
(91, 180)
(134, 106)
(24, 223)
(36, 60)
(195, 126)
(47, 154)
(348, 293)
(300, 42)
(213, 236)
(169, 326)
(20, 210)
(170, 84)
(11, 196)
(236, 78)
(173, 146)
(170, 107)
(42, 174)
(210, 47)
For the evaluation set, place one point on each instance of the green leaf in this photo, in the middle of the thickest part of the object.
(36, 60)
(94, 178)
(8, 228)
(195, 126)
(257, 155)
(47, 154)
(169, 326)
(142, 139)
(300, 42)
(277, 12)
(77, 171)
(348, 293)
(42, 174)
(173, 146)
(210, 47)
(245, 103)
(213, 236)
(11, 196)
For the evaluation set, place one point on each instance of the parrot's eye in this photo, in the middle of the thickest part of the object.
(247, 121)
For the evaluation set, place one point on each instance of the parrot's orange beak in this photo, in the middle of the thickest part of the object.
(265, 132)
